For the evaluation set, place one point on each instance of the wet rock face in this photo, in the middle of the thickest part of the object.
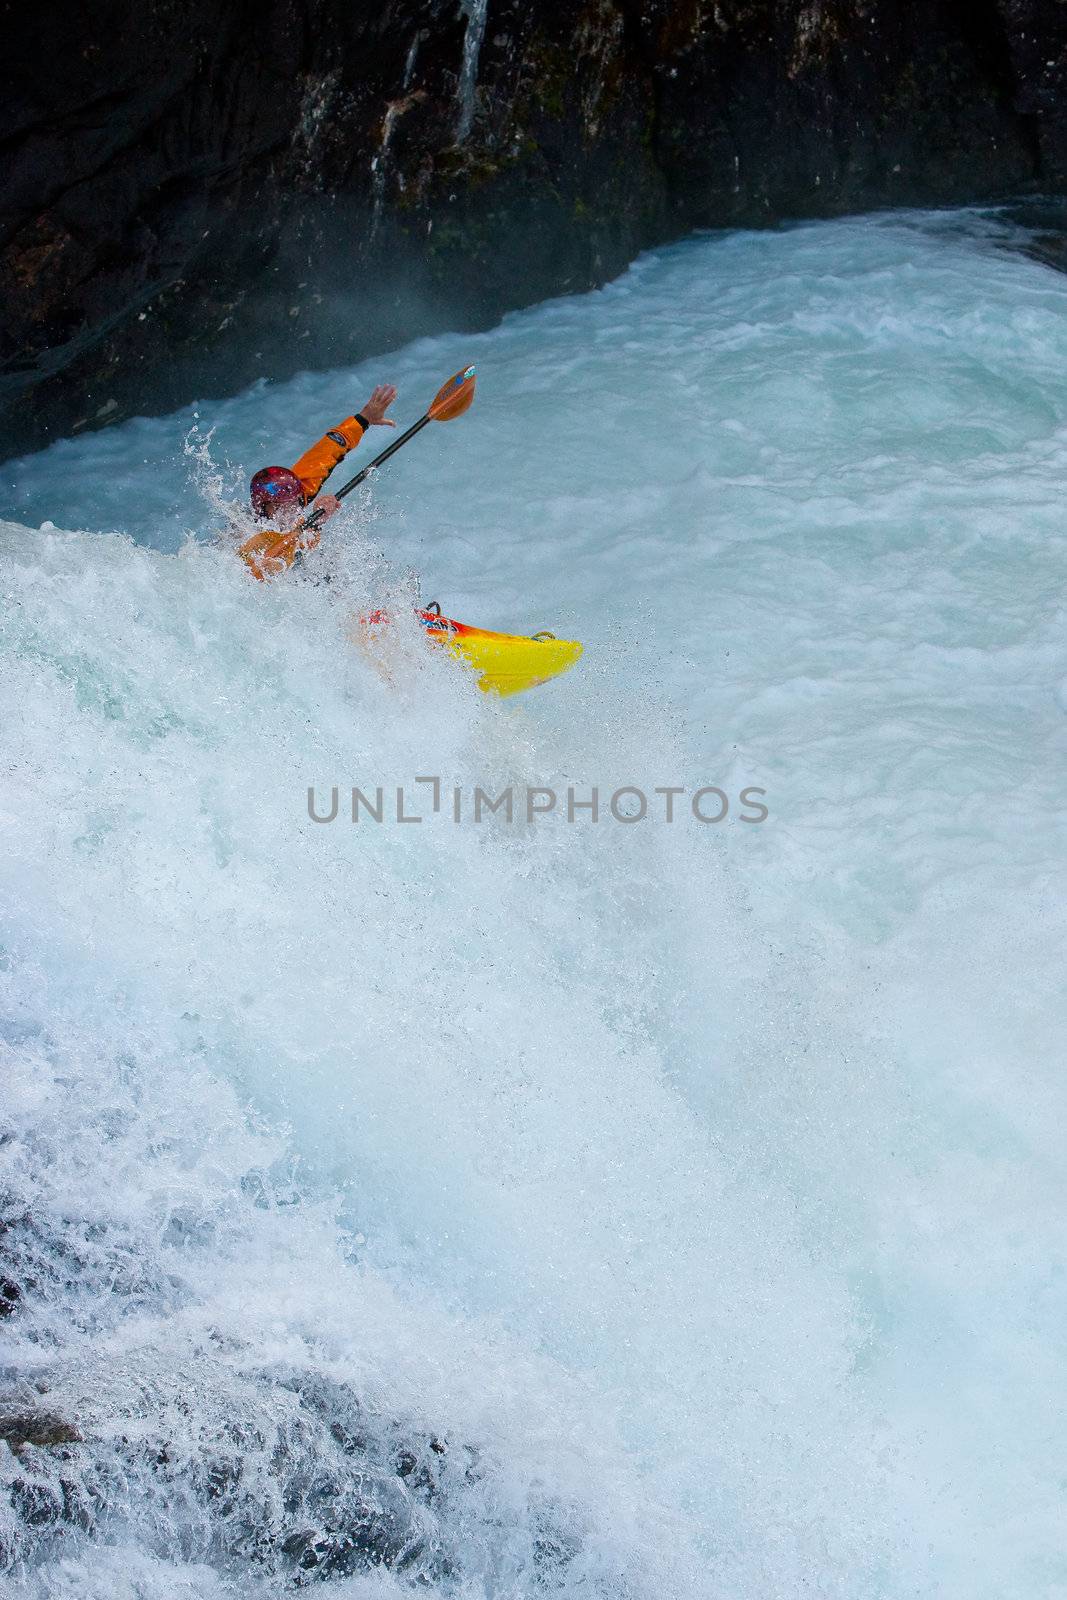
(194, 196)
(815, 107)
(1035, 40)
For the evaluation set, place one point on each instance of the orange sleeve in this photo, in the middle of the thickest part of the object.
(316, 464)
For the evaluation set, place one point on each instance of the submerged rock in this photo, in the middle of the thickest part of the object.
(285, 1470)
(20, 1427)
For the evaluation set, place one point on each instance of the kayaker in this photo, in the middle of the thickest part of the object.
(280, 494)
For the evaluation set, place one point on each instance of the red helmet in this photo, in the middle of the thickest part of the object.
(276, 489)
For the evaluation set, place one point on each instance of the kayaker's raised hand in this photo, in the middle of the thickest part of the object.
(378, 405)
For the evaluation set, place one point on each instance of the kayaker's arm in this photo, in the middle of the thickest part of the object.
(316, 464)
(272, 551)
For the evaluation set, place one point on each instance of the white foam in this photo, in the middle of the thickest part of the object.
(706, 1178)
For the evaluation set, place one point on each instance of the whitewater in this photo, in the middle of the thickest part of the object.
(569, 1208)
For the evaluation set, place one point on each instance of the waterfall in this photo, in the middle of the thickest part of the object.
(380, 162)
(409, 63)
(475, 13)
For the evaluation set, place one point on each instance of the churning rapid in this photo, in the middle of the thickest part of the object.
(615, 1209)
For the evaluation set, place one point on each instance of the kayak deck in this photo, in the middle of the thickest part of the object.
(506, 663)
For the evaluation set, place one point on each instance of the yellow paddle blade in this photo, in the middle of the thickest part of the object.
(454, 397)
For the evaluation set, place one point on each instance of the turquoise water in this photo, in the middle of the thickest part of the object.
(706, 1182)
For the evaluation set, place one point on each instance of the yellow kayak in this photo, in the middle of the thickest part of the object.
(506, 663)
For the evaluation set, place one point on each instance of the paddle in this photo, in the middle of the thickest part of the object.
(269, 552)
(451, 400)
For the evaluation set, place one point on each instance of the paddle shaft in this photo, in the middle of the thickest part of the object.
(354, 483)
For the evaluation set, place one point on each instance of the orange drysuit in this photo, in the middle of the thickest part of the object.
(269, 552)
(316, 464)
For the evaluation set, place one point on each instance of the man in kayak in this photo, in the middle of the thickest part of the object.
(280, 495)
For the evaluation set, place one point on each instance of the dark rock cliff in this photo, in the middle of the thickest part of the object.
(195, 195)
